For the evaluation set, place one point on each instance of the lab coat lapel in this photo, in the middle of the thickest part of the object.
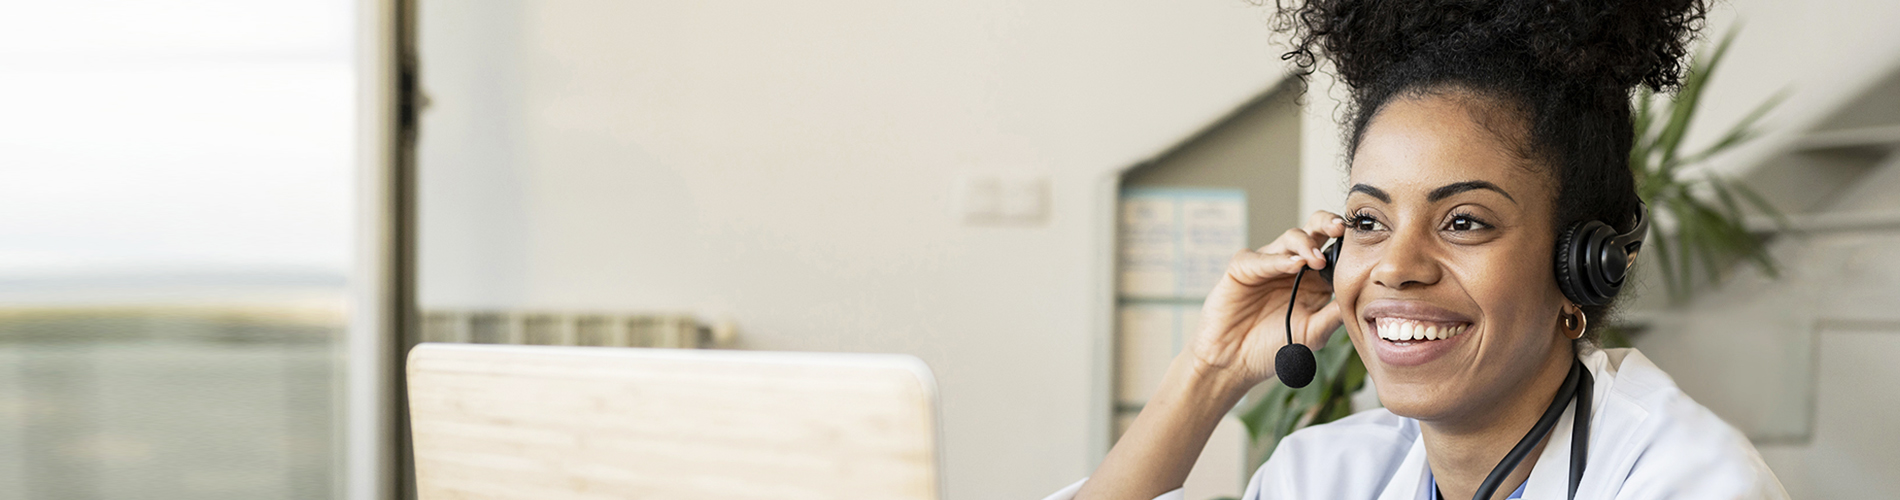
(1550, 477)
(1610, 457)
(1412, 481)
(1616, 424)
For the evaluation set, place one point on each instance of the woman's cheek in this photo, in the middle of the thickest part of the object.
(1348, 281)
(1347, 284)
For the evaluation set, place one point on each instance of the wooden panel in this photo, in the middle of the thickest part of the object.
(552, 423)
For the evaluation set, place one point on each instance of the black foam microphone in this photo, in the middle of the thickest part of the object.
(1294, 364)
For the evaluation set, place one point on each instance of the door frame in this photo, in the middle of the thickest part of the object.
(376, 463)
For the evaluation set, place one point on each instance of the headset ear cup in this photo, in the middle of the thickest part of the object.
(1571, 270)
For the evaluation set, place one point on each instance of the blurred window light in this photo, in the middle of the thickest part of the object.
(176, 224)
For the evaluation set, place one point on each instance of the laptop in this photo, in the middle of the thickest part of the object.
(555, 422)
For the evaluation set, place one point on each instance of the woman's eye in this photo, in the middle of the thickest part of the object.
(1465, 223)
(1366, 223)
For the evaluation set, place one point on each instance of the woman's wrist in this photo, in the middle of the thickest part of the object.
(1197, 382)
(1160, 447)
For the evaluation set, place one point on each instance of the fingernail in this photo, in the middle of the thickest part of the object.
(1294, 257)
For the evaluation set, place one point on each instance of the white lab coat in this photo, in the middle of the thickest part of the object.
(1648, 440)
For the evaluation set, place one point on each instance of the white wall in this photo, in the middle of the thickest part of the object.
(1821, 52)
(792, 165)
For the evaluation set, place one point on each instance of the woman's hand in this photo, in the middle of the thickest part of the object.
(1243, 322)
(1242, 326)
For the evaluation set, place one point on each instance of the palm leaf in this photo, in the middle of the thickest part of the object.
(1687, 100)
(1761, 204)
(1741, 132)
(1666, 257)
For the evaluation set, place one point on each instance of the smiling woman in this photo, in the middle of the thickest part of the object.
(1491, 214)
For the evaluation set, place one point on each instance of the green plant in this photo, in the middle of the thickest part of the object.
(1701, 227)
(1283, 409)
(1703, 210)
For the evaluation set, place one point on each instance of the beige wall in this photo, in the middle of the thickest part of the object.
(793, 166)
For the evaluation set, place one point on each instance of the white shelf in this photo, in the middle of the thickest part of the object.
(1828, 222)
(1862, 137)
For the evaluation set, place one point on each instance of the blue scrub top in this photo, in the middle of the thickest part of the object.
(1514, 495)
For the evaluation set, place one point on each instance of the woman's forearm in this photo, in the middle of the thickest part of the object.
(1156, 453)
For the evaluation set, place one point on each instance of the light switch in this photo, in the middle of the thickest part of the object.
(1025, 200)
(1004, 200)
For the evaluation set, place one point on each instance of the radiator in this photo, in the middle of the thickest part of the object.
(680, 331)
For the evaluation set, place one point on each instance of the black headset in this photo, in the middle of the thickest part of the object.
(1593, 259)
(1592, 262)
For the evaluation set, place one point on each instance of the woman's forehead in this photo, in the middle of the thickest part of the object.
(1416, 145)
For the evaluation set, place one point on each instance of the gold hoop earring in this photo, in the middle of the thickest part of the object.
(1578, 323)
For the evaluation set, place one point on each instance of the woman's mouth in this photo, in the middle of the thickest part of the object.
(1408, 330)
(1413, 332)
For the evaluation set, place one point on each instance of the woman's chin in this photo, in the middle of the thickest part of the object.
(1415, 402)
(1421, 398)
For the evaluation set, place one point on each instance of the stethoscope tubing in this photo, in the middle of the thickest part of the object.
(1577, 386)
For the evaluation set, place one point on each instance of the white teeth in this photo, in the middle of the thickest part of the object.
(1402, 330)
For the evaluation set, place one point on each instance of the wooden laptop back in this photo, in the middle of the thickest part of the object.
(554, 423)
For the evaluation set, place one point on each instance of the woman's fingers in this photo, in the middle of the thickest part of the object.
(1321, 325)
(1321, 221)
(1320, 227)
(1303, 246)
(1296, 242)
(1309, 238)
(1254, 268)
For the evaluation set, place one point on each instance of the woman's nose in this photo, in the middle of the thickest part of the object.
(1406, 261)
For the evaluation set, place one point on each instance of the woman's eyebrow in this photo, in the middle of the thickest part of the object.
(1371, 191)
(1459, 187)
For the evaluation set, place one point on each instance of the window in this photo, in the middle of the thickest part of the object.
(176, 223)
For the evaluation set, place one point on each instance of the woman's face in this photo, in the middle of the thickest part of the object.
(1445, 278)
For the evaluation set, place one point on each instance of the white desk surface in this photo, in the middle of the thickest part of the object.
(556, 423)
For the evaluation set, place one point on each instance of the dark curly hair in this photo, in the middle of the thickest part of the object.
(1565, 69)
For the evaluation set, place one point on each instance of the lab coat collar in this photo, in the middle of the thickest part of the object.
(1550, 477)
(1413, 479)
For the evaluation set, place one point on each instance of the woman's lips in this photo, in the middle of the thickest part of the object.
(1412, 333)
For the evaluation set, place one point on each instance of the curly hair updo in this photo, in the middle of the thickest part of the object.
(1565, 69)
